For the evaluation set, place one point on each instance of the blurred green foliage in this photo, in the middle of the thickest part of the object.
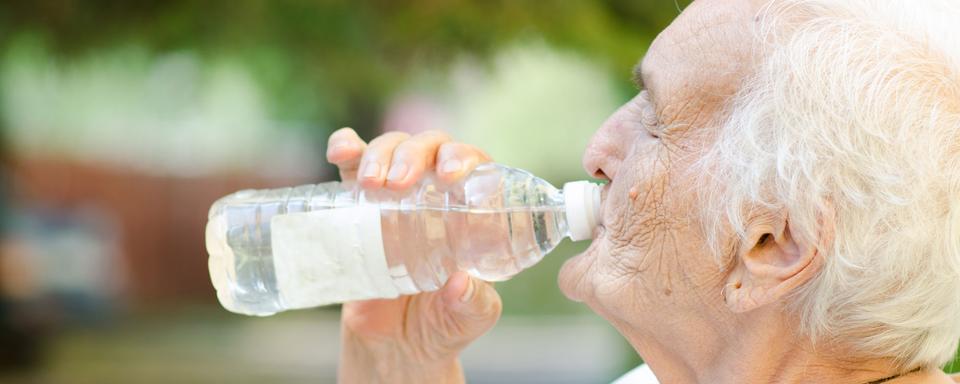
(338, 61)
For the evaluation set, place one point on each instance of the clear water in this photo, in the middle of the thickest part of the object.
(493, 224)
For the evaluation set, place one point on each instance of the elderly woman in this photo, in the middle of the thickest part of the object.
(783, 205)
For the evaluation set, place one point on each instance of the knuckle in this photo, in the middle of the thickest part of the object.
(343, 134)
(434, 134)
(340, 143)
(399, 134)
(410, 150)
(477, 152)
(340, 159)
(469, 149)
(370, 157)
(450, 149)
(343, 130)
(390, 139)
(462, 151)
(395, 135)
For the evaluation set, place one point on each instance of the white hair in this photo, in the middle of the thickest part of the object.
(855, 109)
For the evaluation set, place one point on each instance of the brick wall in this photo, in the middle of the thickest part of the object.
(161, 219)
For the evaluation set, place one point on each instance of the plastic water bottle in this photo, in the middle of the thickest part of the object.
(299, 247)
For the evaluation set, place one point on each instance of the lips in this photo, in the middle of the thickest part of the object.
(604, 192)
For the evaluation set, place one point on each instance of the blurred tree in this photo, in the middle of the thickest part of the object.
(339, 60)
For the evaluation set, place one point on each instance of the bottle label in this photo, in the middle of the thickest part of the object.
(330, 256)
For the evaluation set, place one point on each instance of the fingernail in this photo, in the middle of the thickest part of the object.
(468, 294)
(341, 145)
(397, 172)
(371, 171)
(451, 166)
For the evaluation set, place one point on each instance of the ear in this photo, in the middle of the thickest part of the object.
(774, 261)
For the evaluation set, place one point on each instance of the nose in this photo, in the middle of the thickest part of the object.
(594, 161)
(607, 148)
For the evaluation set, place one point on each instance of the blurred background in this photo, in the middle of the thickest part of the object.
(122, 121)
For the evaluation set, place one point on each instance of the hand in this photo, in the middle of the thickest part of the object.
(417, 338)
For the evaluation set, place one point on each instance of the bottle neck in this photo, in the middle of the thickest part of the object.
(582, 206)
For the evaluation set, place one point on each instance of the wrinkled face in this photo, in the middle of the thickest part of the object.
(649, 266)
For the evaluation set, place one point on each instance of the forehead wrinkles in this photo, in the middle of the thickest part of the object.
(700, 60)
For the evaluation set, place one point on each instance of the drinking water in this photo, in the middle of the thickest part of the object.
(299, 247)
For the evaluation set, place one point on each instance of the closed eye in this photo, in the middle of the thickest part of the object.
(648, 115)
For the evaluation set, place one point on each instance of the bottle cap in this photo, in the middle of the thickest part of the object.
(582, 203)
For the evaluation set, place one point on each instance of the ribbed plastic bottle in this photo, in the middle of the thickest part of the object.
(312, 245)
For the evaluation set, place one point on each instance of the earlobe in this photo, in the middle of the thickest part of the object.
(773, 262)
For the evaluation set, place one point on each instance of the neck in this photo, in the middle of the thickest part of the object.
(755, 348)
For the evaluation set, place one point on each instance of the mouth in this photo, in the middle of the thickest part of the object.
(604, 192)
(597, 233)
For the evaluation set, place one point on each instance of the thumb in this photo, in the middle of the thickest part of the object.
(473, 303)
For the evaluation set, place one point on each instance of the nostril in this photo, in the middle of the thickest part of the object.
(598, 174)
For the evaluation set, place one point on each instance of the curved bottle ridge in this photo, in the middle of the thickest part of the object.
(510, 217)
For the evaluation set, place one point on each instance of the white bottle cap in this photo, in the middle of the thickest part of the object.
(582, 201)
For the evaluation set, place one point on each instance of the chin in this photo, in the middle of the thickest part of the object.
(568, 283)
(574, 279)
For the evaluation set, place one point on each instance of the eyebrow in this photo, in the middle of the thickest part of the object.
(638, 75)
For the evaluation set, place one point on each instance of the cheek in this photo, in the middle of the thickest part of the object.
(608, 269)
(648, 233)
(650, 253)
(636, 216)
